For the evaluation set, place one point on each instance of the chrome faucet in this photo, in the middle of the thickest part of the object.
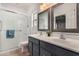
(41, 33)
(62, 36)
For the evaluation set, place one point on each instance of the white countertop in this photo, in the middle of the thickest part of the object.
(71, 44)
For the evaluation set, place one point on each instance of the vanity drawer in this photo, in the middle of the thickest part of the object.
(30, 39)
(47, 46)
(44, 44)
(34, 40)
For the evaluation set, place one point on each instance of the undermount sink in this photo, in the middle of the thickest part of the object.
(73, 41)
(58, 40)
(68, 41)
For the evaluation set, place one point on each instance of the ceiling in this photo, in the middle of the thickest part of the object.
(18, 5)
(22, 7)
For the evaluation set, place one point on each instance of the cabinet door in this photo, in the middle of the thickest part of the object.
(48, 46)
(30, 47)
(35, 49)
(70, 53)
(59, 51)
(44, 52)
(34, 40)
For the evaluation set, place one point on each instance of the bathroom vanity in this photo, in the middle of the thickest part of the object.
(59, 18)
(52, 46)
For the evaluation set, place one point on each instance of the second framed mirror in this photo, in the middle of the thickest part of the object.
(65, 17)
(44, 20)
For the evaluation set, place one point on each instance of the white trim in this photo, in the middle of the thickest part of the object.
(8, 50)
(15, 11)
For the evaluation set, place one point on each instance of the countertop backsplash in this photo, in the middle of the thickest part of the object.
(66, 35)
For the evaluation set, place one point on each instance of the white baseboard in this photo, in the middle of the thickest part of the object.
(1, 52)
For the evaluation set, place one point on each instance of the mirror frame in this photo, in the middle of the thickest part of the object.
(47, 10)
(66, 30)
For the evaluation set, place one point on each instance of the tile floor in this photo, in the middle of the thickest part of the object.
(16, 52)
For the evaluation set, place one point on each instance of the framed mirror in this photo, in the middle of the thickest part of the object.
(44, 20)
(65, 17)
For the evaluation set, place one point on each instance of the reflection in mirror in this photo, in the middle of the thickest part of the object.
(65, 17)
(43, 21)
(60, 22)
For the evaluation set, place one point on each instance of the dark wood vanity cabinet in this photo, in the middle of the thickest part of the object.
(30, 47)
(44, 52)
(44, 49)
(41, 48)
(35, 49)
(33, 46)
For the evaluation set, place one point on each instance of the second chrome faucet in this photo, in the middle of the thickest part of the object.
(62, 36)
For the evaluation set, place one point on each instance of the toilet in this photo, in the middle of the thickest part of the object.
(23, 46)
